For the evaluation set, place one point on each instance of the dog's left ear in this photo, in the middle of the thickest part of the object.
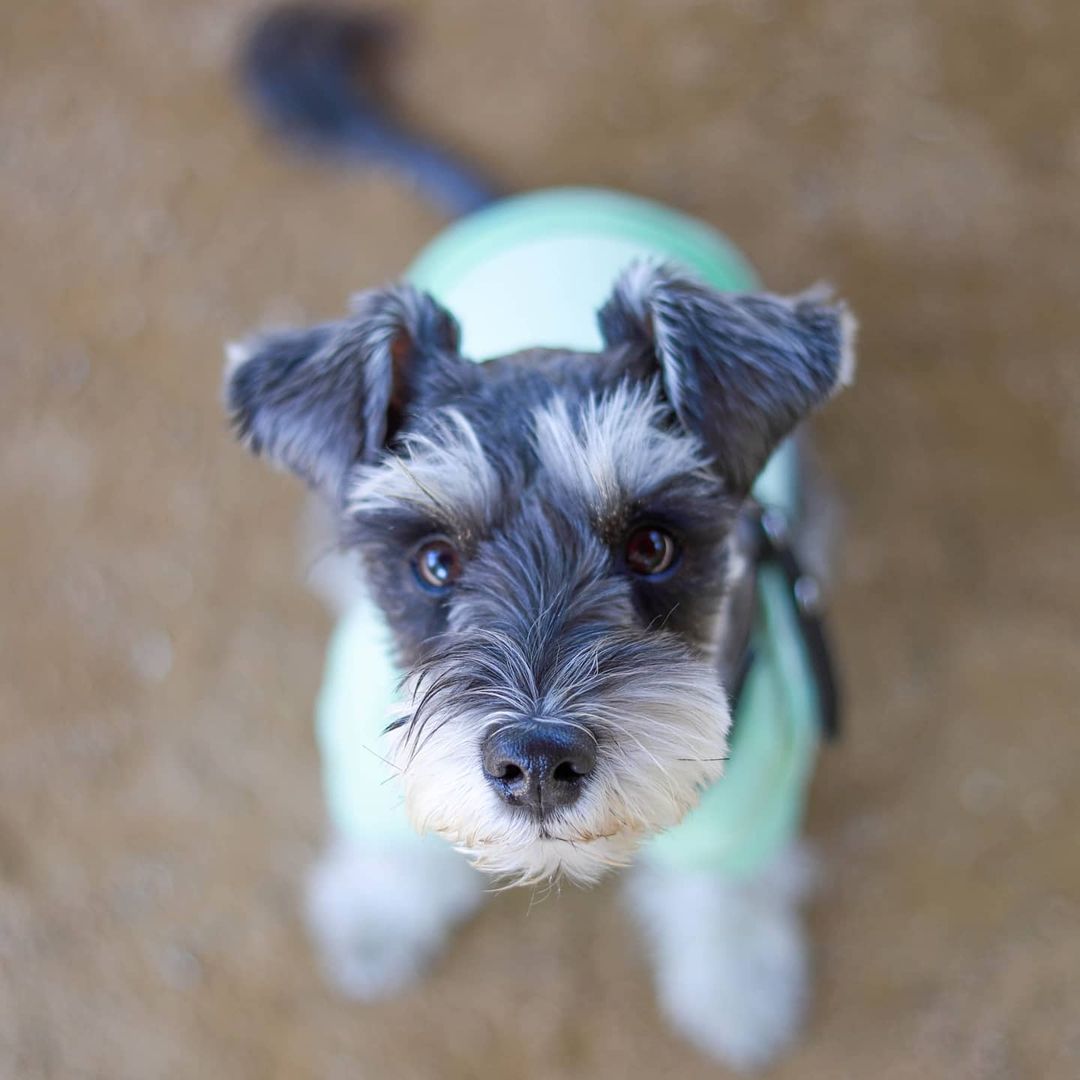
(740, 370)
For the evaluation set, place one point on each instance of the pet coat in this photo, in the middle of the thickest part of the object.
(532, 271)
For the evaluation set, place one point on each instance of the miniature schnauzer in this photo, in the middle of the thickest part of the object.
(561, 547)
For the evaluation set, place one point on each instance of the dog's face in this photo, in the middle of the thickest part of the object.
(547, 534)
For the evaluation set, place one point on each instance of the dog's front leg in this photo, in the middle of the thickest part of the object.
(730, 957)
(381, 914)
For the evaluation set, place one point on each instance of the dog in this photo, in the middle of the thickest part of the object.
(559, 569)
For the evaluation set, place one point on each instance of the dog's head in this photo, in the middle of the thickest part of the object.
(547, 535)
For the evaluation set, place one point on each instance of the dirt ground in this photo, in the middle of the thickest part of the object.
(159, 653)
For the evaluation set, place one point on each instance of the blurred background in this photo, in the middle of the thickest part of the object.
(159, 652)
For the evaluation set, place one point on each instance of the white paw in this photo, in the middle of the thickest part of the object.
(741, 999)
(730, 962)
(380, 918)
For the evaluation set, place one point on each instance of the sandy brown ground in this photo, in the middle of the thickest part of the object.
(159, 655)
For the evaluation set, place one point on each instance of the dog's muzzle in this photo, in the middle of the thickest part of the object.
(539, 765)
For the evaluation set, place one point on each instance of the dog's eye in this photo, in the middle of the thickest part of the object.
(436, 564)
(650, 551)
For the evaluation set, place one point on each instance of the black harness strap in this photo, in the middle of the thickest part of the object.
(773, 548)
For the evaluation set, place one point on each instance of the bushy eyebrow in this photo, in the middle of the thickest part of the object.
(616, 450)
(603, 459)
(443, 475)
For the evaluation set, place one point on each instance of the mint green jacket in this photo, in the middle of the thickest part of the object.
(532, 271)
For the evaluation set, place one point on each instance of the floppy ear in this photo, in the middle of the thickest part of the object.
(740, 371)
(320, 399)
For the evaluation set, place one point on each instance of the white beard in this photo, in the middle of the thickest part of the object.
(660, 747)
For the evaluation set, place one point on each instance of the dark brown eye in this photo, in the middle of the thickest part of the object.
(650, 551)
(436, 564)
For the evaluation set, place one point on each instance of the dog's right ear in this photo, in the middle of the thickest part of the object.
(321, 399)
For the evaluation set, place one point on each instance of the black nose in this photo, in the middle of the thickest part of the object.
(539, 765)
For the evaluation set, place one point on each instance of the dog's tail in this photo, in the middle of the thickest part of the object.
(312, 73)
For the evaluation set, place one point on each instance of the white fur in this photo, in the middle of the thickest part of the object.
(445, 474)
(671, 742)
(332, 572)
(380, 917)
(849, 328)
(237, 353)
(617, 449)
(730, 958)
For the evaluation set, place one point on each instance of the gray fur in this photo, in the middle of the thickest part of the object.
(740, 370)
